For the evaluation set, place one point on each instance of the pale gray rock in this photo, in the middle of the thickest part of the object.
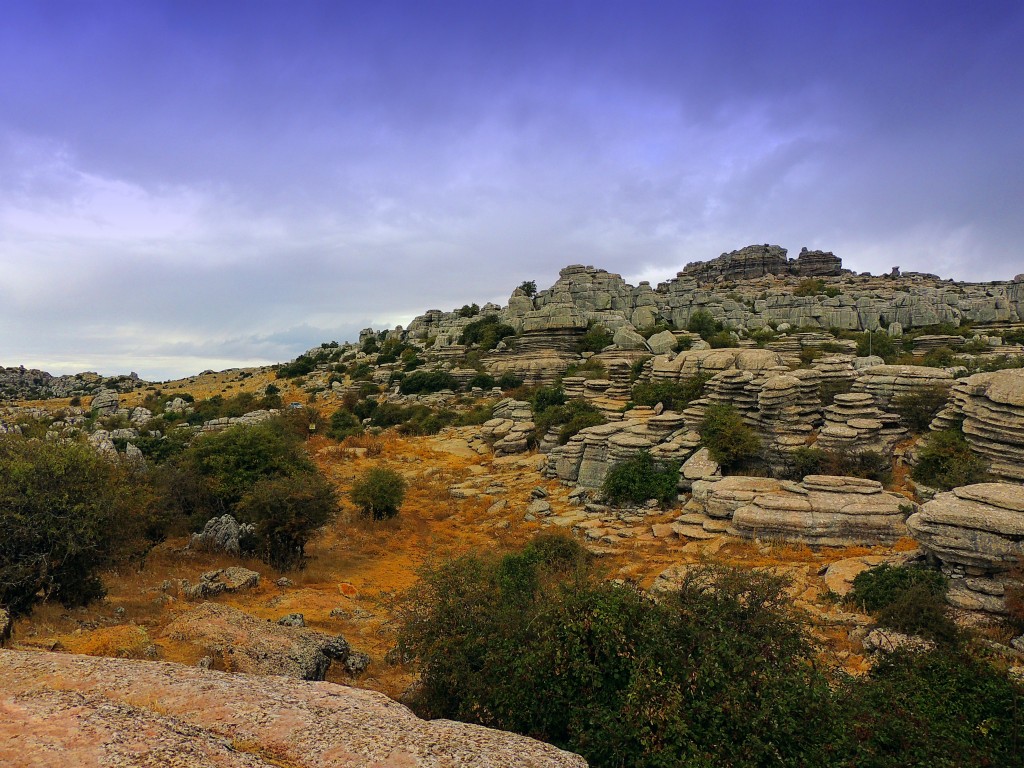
(627, 338)
(221, 534)
(212, 583)
(700, 466)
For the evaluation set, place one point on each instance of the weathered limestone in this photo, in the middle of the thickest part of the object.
(104, 402)
(977, 534)
(885, 383)
(698, 361)
(588, 456)
(853, 424)
(825, 510)
(992, 408)
(510, 429)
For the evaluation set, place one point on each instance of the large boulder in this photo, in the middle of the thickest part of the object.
(238, 642)
(627, 338)
(212, 583)
(221, 534)
(65, 710)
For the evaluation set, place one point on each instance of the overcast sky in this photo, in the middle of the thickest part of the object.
(191, 185)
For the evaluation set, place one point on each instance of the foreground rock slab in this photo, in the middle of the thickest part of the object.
(61, 710)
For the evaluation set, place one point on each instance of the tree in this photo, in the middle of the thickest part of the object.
(379, 492)
(639, 479)
(703, 323)
(529, 288)
(730, 442)
(286, 511)
(65, 513)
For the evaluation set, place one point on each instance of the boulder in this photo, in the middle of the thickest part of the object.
(700, 466)
(238, 642)
(627, 338)
(221, 534)
(662, 343)
(211, 583)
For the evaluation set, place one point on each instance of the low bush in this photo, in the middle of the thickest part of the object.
(344, 423)
(918, 407)
(723, 340)
(481, 380)
(595, 339)
(909, 599)
(945, 461)
(730, 442)
(571, 417)
(641, 478)
(810, 460)
(300, 366)
(674, 395)
(66, 513)
(509, 380)
(419, 382)
(486, 332)
(379, 493)
(704, 324)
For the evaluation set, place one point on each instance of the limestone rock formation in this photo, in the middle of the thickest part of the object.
(992, 408)
(104, 402)
(62, 710)
(888, 382)
(212, 583)
(825, 510)
(977, 534)
(853, 424)
(239, 642)
(510, 429)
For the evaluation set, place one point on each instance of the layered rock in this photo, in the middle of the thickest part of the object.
(991, 406)
(853, 424)
(825, 510)
(64, 710)
(588, 456)
(977, 534)
(510, 429)
(886, 383)
(749, 262)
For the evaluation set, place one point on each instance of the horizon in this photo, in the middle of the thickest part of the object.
(188, 186)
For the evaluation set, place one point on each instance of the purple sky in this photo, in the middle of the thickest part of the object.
(190, 185)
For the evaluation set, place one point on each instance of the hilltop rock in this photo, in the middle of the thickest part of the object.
(104, 402)
(62, 710)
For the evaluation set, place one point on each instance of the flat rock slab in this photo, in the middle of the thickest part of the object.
(62, 710)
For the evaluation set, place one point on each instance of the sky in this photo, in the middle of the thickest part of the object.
(191, 185)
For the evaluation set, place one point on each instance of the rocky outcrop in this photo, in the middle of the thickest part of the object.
(991, 406)
(104, 403)
(744, 264)
(221, 534)
(977, 533)
(510, 430)
(710, 361)
(825, 510)
(886, 383)
(63, 710)
(213, 583)
(237, 642)
(588, 456)
(854, 425)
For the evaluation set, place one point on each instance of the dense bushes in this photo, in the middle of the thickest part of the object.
(720, 672)
(730, 442)
(535, 642)
(595, 339)
(300, 366)
(570, 418)
(66, 512)
(640, 478)
(379, 493)
(704, 324)
(810, 460)
(946, 461)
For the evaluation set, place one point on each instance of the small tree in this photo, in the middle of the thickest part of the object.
(946, 461)
(918, 407)
(641, 478)
(703, 323)
(729, 441)
(529, 288)
(379, 492)
(286, 511)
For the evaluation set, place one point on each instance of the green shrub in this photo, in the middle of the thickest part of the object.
(469, 310)
(909, 599)
(730, 442)
(640, 478)
(595, 339)
(943, 357)
(509, 380)
(571, 416)
(535, 642)
(66, 513)
(674, 395)
(704, 324)
(546, 397)
(300, 366)
(286, 510)
(529, 287)
(946, 461)
(427, 381)
(379, 492)
(344, 423)
(878, 343)
(941, 708)
(917, 408)
(810, 460)
(722, 340)
(486, 332)
(481, 380)
(810, 286)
